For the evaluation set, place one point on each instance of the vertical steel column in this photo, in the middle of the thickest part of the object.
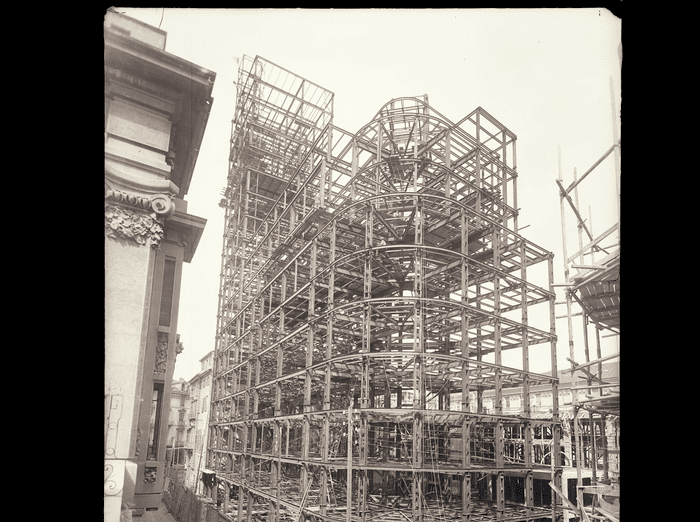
(477, 164)
(363, 442)
(249, 494)
(465, 284)
(556, 426)
(515, 190)
(466, 462)
(477, 208)
(498, 398)
(527, 409)
(294, 183)
(353, 166)
(426, 128)
(226, 499)
(466, 427)
(233, 401)
(245, 457)
(418, 367)
(311, 327)
(504, 180)
(415, 163)
(280, 348)
(222, 314)
(322, 184)
(448, 164)
(324, 469)
(256, 395)
(254, 424)
(363, 480)
(244, 236)
(325, 436)
(275, 470)
(378, 158)
(362, 473)
(348, 490)
(239, 511)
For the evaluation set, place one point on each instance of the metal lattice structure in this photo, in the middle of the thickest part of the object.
(371, 284)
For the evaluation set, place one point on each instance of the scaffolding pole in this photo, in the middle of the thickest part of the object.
(594, 288)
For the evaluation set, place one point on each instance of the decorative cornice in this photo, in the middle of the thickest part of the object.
(161, 204)
(125, 174)
(122, 222)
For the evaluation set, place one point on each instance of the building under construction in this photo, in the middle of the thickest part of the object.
(372, 286)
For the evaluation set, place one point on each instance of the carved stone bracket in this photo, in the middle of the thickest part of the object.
(180, 346)
(141, 227)
(137, 217)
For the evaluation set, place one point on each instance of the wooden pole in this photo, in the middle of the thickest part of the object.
(616, 145)
(566, 266)
(555, 457)
(579, 452)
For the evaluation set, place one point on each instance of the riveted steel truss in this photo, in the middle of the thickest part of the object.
(370, 285)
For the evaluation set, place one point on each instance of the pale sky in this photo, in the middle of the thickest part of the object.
(543, 73)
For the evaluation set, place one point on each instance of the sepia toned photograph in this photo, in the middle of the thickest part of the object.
(362, 265)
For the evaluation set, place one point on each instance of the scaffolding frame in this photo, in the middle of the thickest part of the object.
(370, 285)
(592, 291)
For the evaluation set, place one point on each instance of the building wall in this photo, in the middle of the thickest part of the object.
(150, 141)
(178, 449)
(200, 391)
(127, 294)
(180, 406)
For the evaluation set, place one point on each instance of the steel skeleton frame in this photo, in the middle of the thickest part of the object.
(370, 285)
(592, 291)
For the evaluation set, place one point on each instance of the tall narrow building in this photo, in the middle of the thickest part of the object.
(156, 109)
(372, 287)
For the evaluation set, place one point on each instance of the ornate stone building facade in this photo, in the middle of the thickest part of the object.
(156, 110)
(200, 392)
